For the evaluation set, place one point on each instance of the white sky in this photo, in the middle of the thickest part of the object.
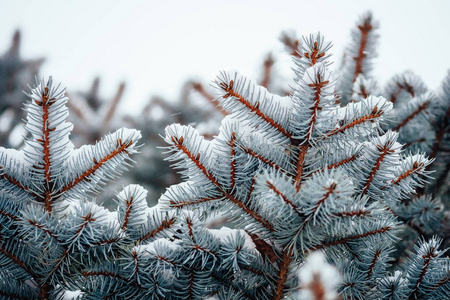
(156, 45)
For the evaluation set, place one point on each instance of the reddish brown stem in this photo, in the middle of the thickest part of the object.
(365, 29)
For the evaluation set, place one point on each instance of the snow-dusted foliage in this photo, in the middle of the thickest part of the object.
(301, 174)
(358, 58)
(317, 190)
(54, 239)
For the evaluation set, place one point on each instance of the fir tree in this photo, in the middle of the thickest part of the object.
(50, 228)
(15, 75)
(301, 174)
(314, 183)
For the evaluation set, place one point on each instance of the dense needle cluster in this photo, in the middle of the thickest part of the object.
(326, 193)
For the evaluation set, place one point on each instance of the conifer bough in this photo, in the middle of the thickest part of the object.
(318, 190)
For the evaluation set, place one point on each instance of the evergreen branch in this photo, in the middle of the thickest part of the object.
(283, 273)
(178, 142)
(428, 257)
(87, 219)
(17, 261)
(263, 247)
(183, 204)
(14, 181)
(416, 167)
(400, 87)
(268, 64)
(376, 256)
(8, 215)
(285, 199)
(314, 55)
(300, 165)
(252, 270)
(336, 165)
(384, 150)
(353, 213)
(197, 86)
(203, 249)
(318, 86)
(232, 286)
(440, 134)
(232, 145)
(363, 91)
(121, 148)
(405, 121)
(112, 107)
(440, 283)
(260, 157)
(365, 29)
(107, 241)
(418, 141)
(252, 188)
(105, 273)
(190, 229)
(291, 43)
(131, 207)
(351, 238)
(443, 175)
(59, 261)
(13, 296)
(375, 114)
(136, 264)
(47, 231)
(77, 110)
(230, 92)
(45, 291)
(191, 285)
(409, 223)
(329, 191)
(164, 225)
(45, 103)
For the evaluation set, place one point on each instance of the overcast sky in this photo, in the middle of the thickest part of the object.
(154, 46)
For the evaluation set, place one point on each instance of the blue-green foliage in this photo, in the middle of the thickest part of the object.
(305, 173)
(316, 171)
